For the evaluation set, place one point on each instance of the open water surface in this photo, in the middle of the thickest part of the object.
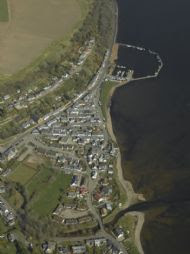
(151, 120)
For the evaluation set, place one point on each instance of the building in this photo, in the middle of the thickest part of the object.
(119, 233)
(76, 180)
(79, 249)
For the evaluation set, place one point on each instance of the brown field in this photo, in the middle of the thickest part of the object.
(32, 26)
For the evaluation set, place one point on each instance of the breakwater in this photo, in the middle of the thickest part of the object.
(125, 68)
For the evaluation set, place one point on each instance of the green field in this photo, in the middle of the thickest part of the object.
(7, 247)
(22, 174)
(45, 189)
(40, 180)
(44, 186)
(3, 227)
(128, 223)
(4, 14)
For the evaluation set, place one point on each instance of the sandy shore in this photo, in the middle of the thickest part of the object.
(132, 197)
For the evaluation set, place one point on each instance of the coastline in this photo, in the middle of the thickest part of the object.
(132, 197)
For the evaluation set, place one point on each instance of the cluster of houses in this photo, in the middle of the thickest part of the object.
(84, 247)
(9, 154)
(59, 215)
(76, 140)
(6, 213)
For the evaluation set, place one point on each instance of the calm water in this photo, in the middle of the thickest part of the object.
(151, 120)
(142, 62)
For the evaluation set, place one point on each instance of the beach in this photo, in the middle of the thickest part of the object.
(132, 197)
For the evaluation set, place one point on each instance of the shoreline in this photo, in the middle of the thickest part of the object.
(132, 197)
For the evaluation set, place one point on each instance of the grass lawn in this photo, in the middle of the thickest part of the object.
(4, 15)
(128, 222)
(39, 181)
(3, 227)
(22, 173)
(16, 200)
(7, 247)
(105, 94)
(45, 189)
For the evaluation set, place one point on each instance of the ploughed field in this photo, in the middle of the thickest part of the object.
(31, 27)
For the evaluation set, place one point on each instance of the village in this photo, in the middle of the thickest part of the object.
(77, 143)
(75, 139)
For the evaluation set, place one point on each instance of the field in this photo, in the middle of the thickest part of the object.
(32, 27)
(22, 174)
(4, 15)
(43, 186)
(45, 189)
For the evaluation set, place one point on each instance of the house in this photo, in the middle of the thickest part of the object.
(6, 97)
(103, 212)
(116, 251)
(94, 174)
(71, 194)
(48, 247)
(44, 246)
(96, 242)
(84, 219)
(27, 124)
(11, 237)
(63, 250)
(109, 206)
(90, 242)
(100, 241)
(10, 153)
(51, 122)
(7, 172)
(119, 233)
(76, 180)
(83, 191)
(2, 189)
(71, 221)
(78, 249)
(64, 140)
(70, 206)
